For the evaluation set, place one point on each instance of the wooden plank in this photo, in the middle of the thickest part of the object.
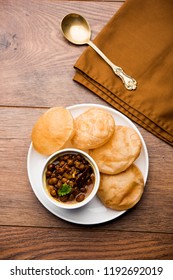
(33, 243)
(19, 206)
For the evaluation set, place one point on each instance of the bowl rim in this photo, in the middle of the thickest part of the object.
(96, 184)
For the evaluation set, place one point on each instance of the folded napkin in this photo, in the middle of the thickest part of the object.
(139, 39)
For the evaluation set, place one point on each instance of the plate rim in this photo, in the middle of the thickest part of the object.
(59, 215)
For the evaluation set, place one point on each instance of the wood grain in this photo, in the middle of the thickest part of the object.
(34, 243)
(36, 61)
(36, 72)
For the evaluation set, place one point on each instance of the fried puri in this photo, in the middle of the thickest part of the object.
(121, 191)
(93, 128)
(119, 152)
(52, 130)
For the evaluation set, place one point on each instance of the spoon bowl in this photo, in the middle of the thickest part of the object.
(77, 30)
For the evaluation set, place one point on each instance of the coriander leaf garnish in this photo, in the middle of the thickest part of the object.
(65, 189)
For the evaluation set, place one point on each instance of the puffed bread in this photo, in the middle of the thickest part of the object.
(93, 128)
(119, 152)
(52, 130)
(121, 191)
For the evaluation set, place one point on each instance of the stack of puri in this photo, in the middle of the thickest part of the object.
(113, 147)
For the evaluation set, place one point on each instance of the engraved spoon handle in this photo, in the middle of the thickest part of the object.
(129, 82)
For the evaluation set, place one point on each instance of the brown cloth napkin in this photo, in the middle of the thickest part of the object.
(138, 38)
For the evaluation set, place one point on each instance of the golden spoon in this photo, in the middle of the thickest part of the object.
(77, 30)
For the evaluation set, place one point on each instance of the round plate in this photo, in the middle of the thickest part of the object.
(94, 212)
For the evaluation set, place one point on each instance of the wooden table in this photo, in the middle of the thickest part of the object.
(36, 71)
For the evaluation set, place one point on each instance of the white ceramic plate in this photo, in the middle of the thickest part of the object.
(94, 212)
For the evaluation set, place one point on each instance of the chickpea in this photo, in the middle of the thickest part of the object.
(64, 180)
(48, 173)
(60, 170)
(71, 183)
(52, 181)
(81, 167)
(66, 157)
(50, 167)
(80, 197)
(59, 184)
(62, 163)
(53, 192)
(77, 163)
(70, 162)
(79, 157)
